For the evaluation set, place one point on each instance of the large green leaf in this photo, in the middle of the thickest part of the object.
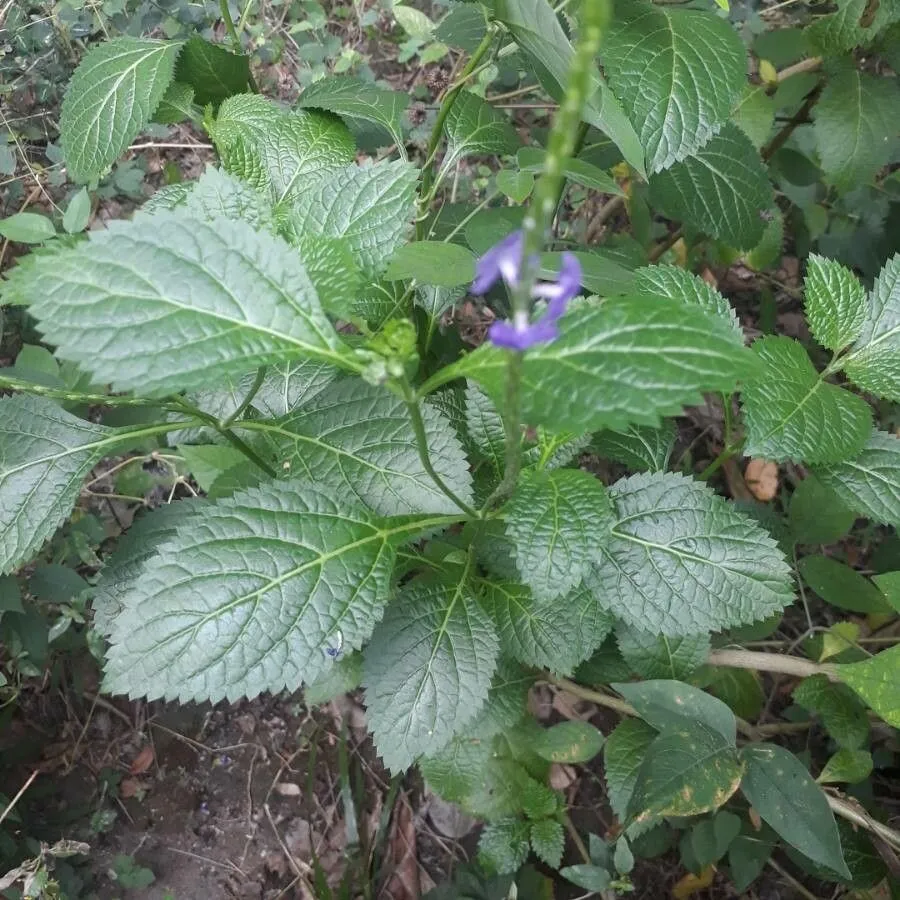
(213, 72)
(569, 742)
(276, 151)
(869, 484)
(855, 23)
(475, 127)
(817, 515)
(427, 670)
(685, 772)
(217, 195)
(484, 426)
(623, 753)
(666, 704)
(792, 413)
(370, 207)
(681, 560)
(537, 30)
(45, 455)
(677, 73)
(166, 303)
(786, 797)
(836, 583)
(113, 94)
(554, 635)
(874, 361)
(658, 656)
(532, 159)
(248, 599)
(679, 284)
(840, 710)
(555, 521)
(124, 565)
(639, 447)
(835, 302)
(877, 681)
(358, 438)
(433, 263)
(855, 123)
(629, 360)
(722, 190)
(353, 98)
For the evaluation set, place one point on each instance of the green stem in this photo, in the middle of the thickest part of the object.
(28, 387)
(428, 173)
(720, 460)
(235, 39)
(418, 424)
(245, 403)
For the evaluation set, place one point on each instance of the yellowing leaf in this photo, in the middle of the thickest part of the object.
(692, 884)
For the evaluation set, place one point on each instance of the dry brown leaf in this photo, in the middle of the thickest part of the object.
(403, 883)
(131, 787)
(692, 884)
(761, 476)
(142, 761)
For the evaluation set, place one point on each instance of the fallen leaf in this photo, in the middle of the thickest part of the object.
(762, 478)
(562, 776)
(403, 883)
(142, 761)
(692, 884)
(131, 787)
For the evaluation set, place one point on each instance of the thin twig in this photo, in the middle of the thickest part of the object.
(769, 662)
(858, 816)
(11, 805)
(666, 244)
(791, 880)
(805, 65)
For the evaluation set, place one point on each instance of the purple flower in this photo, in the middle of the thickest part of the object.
(504, 260)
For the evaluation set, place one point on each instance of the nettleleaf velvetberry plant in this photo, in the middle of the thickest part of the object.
(383, 510)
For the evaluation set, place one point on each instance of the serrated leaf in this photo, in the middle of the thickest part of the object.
(413, 21)
(506, 705)
(639, 447)
(847, 767)
(792, 413)
(27, 228)
(623, 753)
(841, 713)
(370, 207)
(569, 742)
(628, 361)
(176, 105)
(503, 846)
(754, 113)
(874, 360)
(876, 680)
(279, 152)
(685, 773)
(216, 195)
(45, 455)
(463, 27)
(869, 484)
(554, 635)
(333, 272)
(555, 521)
(358, 438)
(78, 212)
(288, 386)
(548, 841)
(484, 426)
(536, 29)
(677, 73)
(432, 262)
(427, 670)
(206, 462)
(474, 127)
(835, 302)
(658, 656)
(856, 23)
(679, 284)
(785, 796)
(855, 124)
(166, 303)
(300, 569)
(213, 72)
(667, 704)
(722, 190)
(112, 95)
(681, 560)
(532, 159)
(352, 98)
(841, 586)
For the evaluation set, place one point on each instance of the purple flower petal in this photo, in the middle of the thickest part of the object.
(505, 334)
(503, 260)
(567, 285)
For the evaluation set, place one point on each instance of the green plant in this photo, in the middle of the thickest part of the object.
(376, 511)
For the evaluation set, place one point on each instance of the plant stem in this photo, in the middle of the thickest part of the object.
(245, 403)
(805, 65)
(666, 244)
(415, 415)
(720, 460)
(428, 170)
(28, 387)
(769, 662)
(801, 116)
(856, 814)
(235, 40)
(802, 891)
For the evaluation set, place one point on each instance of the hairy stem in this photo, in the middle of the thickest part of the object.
(245, 403)
(39, 390)
(235, 39)
(418, 424)
(769, 662)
